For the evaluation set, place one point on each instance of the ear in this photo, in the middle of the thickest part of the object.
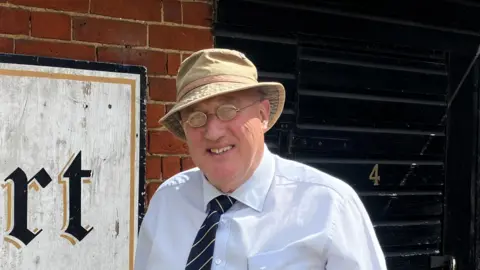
(264, 113)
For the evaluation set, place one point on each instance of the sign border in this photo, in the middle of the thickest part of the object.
(106, 67)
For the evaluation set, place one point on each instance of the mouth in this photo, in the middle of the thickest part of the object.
(220, 151)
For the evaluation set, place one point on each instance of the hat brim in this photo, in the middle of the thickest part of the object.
(274, 92)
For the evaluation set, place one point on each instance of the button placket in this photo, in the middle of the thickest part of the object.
(221, 242)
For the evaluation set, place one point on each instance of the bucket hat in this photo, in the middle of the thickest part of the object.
(212, 72)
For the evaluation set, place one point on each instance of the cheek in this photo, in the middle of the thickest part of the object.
(250, 132)
(195, 141)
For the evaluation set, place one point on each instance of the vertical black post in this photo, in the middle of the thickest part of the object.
(461, 180)
(476, 83)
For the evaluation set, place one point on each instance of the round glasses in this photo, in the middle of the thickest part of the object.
(225, 112)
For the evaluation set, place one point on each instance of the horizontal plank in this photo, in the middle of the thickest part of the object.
(394, 208)
(332, 93)
(400, 193)
(222, 30)
(374, 60)
(361, 113)
(413, 262)
(315, 75)
(439, 131)
(312, 159)
(409, 235)
(349, 90)
(338, 144)
(362, 176)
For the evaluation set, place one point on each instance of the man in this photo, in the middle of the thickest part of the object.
(244, 207)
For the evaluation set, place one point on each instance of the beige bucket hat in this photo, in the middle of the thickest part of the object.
(212, 72)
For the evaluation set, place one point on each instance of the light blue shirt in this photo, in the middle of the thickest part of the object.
(287, 216)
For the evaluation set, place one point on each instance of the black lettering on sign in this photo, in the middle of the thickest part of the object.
(17, 187)
(71, 179)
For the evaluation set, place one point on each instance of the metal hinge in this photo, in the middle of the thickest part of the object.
(437, 262)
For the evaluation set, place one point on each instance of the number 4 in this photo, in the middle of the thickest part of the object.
(374, 176)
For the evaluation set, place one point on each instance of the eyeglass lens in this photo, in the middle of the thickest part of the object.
(224, 113)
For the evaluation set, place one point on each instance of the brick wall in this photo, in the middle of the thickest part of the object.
(153, 33)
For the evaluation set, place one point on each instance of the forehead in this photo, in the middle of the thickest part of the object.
(235, 98)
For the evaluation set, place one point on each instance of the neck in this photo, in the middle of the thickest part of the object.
(241, 178)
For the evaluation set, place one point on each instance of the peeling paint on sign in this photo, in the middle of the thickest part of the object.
(69, 168)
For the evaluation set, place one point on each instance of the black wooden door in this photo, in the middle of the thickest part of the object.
(364, 116)
(367, 101)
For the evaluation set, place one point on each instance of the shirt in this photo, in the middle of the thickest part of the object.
(287, 216)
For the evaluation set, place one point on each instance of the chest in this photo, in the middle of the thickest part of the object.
(246, 239)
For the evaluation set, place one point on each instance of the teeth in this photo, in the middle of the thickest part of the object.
(220, 150)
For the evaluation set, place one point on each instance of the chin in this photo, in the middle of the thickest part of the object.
(222, 174)
(225, 186)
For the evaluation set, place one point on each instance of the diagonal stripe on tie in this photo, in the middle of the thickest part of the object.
(201, 253)
(209, 262)
(211, 229)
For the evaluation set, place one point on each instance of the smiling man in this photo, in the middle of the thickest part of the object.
(244, 207)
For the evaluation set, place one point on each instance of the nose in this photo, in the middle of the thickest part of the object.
(214, 129)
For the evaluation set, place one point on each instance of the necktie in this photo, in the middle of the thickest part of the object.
(201, 254)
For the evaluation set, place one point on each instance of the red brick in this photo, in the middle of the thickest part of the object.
(14, 21)
(146, 10)
(173, 63)
(55, 49)
(185, 56)
(187, 163)
(150, 190)
(154, 61)
(162, 89)
(6, 45)
(154, 168)
(67, 5)
(170, 166)
(154, 113)
(180, 38)
(51, 25)
(172, 11)
(197, 13)
(109, 31)
(164, 142)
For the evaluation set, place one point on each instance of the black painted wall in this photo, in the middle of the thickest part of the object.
(368, 88)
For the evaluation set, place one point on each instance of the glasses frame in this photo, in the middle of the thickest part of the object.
(205, 115)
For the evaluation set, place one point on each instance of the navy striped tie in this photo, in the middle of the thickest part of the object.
(201, 254)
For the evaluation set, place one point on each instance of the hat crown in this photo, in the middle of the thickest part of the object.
(214, 65)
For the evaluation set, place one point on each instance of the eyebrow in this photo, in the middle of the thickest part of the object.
(220, 100)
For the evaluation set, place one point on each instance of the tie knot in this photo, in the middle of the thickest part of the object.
(221, 203)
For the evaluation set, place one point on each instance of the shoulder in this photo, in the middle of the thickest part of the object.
(295, 172)
(184, 184)
(181, 179)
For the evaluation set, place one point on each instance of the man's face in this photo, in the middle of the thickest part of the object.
(228, 152)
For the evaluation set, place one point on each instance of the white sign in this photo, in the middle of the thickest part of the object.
(71, 166)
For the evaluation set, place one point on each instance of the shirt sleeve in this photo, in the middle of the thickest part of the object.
(354, 244)
(145, 236)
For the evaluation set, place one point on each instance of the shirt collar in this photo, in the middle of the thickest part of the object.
(251, 193)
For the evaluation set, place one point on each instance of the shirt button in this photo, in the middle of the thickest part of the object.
(218, 261)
